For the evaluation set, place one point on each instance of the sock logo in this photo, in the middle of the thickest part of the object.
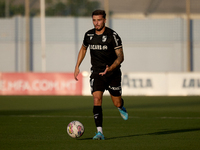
(95, 116)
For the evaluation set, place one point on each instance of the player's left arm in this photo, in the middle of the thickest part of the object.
(117, 62)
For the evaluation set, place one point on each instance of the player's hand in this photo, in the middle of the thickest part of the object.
(105, 71)
(76, 72)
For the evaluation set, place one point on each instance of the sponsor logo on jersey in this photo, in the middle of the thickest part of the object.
(104, 38)
(98, 47)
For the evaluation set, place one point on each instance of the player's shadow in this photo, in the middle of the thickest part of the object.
(157, 133)
(154, 133)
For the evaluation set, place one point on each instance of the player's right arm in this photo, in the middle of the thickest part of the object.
(80, 58)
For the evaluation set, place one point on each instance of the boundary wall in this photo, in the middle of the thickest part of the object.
(133, 84)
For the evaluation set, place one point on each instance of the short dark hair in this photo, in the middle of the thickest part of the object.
(99, 12)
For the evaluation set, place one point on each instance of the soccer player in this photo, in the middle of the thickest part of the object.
(106, 57)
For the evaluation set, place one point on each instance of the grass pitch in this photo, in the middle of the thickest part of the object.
(155, 123)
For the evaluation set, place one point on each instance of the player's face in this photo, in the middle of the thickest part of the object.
(99, 22)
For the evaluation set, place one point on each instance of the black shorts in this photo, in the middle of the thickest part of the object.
(110, 82)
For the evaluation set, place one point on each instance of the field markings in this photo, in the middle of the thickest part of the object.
(109, 117)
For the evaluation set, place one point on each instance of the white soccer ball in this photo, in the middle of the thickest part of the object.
(75, 129)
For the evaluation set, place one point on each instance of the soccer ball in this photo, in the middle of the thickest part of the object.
(75, 129)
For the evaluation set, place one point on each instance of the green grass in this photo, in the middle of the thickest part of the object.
(155, 123)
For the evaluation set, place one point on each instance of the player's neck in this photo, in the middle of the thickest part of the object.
(101, 31)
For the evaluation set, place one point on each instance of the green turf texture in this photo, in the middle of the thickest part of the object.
(155, 123)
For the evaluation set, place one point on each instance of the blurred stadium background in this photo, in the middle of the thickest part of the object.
(154, 33)
(158, 36)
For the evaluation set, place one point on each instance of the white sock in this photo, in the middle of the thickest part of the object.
(99, 129)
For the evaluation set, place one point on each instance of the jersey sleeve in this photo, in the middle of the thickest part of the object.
(85, 43)
(117, 42)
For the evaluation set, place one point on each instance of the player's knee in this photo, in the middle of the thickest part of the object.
(97, 101)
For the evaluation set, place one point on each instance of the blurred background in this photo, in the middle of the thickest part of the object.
(46, 35)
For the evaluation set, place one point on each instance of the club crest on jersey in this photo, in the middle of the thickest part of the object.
(104, 38)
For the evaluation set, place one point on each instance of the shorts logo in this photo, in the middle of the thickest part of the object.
(91, 84)
(104, 38)
(115, 88)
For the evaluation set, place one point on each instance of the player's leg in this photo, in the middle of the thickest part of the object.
(115, 91)
(97, 110)
(119, 103)
(98, 115)
(97, 89)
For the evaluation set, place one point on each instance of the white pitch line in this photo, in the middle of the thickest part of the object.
(132, 117)
(179, 117)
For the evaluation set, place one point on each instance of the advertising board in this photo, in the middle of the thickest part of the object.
(40, 84)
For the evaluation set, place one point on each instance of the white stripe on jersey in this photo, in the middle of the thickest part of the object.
(117, 47)
(115, 40)
(84, 46)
